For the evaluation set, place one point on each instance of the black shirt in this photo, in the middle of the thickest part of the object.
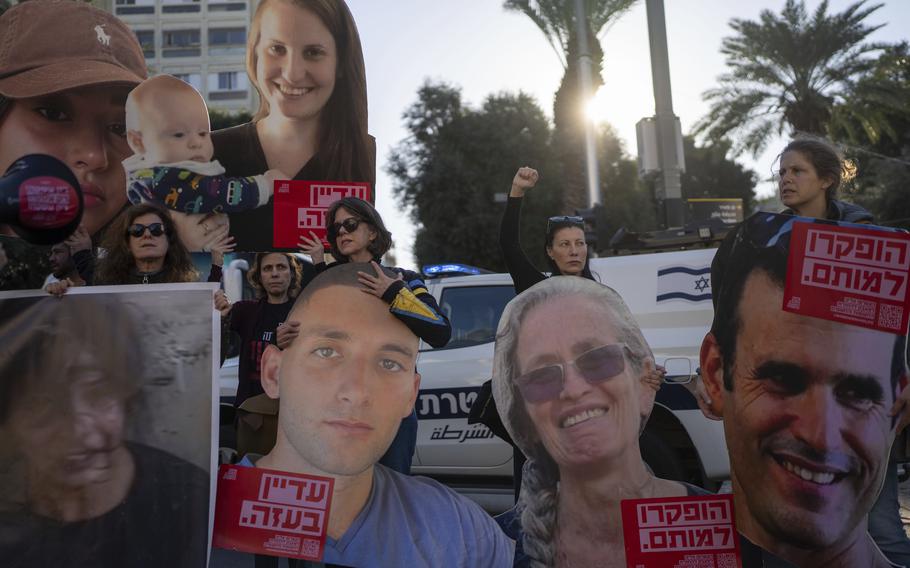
(162, 521)
(255, 322)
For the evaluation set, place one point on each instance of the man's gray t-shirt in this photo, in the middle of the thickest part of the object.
(417, 522)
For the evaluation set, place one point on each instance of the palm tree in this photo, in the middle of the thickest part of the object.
(787, 72)
(556, 19)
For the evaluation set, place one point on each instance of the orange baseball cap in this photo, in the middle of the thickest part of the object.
(48, 46)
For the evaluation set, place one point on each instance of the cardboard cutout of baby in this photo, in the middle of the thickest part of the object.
(168, 129)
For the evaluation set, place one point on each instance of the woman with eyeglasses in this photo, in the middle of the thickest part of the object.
(356, 233)
(571, 377)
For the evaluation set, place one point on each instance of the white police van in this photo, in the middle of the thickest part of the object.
(669, 295)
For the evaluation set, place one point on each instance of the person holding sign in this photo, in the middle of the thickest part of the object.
(571, 375)
(811, 171)
(567, 254)
(305, 60)
(805, 403)
(343, 386)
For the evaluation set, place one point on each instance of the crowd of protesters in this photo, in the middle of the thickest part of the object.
(323, 136)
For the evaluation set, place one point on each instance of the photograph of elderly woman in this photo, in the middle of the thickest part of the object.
(106, 427)
(573, 381)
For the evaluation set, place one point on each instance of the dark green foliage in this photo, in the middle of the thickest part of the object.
(457, 158)
(787, 72)
(882, 155)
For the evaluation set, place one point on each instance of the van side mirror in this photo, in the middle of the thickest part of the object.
(679, 370)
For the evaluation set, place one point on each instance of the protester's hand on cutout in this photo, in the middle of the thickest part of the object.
(653, 375)
(79, 240)
(59, 288)
(376, 284)
(221, 244)
(286, 332)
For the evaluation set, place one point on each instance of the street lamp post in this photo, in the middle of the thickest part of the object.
(585, 64)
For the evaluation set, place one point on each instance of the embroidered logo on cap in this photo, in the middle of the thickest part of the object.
(103, 38)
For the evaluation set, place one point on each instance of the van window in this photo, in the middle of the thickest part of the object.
(474, 312)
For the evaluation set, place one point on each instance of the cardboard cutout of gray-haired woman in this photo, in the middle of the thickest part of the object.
(106, 415)
(573, 378)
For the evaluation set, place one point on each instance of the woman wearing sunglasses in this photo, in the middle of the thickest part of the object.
(356, 233)
(141, 247)
(571, 375)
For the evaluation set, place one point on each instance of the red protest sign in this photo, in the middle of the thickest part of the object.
(850, 275)
(272, 512)
(680, 531)
(300, 207)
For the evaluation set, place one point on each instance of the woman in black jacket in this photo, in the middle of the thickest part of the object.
(566, 248)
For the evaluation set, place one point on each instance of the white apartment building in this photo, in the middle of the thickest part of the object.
(202, 42)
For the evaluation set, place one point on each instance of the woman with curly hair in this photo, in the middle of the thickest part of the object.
(277, 279)
(142, 247)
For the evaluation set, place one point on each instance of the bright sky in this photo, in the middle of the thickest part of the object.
(483, 49)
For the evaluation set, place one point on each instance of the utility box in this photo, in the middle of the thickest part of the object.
(648, 157)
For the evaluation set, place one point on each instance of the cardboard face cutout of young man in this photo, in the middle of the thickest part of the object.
(805, 404)
(345, 383)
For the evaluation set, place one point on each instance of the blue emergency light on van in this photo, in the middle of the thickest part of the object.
(450, 270)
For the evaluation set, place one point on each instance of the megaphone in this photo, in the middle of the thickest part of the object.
(40, 199)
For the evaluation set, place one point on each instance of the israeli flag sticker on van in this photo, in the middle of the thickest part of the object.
(684, 283)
